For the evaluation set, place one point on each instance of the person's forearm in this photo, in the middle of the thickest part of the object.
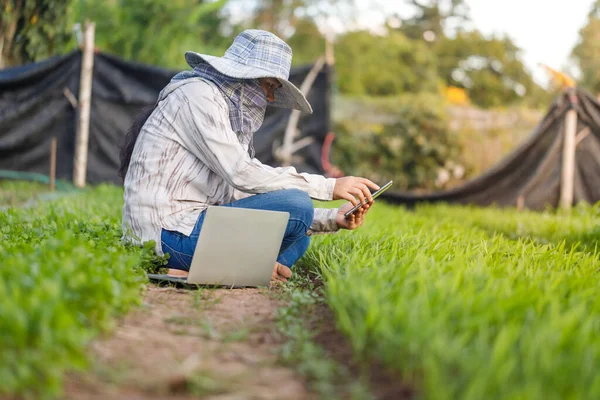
(254, 177)
(324, 221)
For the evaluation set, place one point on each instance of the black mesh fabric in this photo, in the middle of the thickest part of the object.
(34, 109)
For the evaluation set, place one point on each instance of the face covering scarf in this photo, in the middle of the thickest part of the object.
(245, 97)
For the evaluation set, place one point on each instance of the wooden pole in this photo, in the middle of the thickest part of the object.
(329, 52)
(85, 96)
(568, 159)
(285, 155)
(52, 164)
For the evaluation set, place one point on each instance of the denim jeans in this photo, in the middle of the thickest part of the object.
(295, 242)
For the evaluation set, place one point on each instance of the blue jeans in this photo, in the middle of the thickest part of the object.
(295, 242)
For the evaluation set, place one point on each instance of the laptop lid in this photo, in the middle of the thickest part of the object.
(237, 247)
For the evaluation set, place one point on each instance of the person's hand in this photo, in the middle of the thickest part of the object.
(350, 187)
(354, 220)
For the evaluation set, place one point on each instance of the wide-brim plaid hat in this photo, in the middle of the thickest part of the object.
(258, 54)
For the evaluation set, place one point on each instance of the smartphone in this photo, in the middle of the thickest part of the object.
(374, 195)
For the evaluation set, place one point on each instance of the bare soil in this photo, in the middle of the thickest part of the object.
(213, 344)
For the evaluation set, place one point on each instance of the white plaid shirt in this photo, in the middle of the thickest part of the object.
(245, 97)
(187, 157)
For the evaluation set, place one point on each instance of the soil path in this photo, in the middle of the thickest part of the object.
(213, 344)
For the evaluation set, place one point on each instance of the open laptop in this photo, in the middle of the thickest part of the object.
(237, 247)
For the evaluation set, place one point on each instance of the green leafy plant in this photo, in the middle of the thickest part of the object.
(410, 148)
(65, 276)
(14, 193)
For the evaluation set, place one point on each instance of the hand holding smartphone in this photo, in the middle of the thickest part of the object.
(374, 195)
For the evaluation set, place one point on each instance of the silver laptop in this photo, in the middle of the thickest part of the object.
(237, 247)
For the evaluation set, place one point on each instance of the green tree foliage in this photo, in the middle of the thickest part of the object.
(383, 65)
(298, 22)
(490, 69)
(433, 16)
(156, 32)
(307, 43)
(283, 16)
(31, 30)
(587, 51)
(277, 16)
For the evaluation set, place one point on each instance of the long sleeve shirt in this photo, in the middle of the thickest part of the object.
(187, 158)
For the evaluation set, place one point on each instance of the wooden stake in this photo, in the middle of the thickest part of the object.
(52, 164)
(520, 203)
(85, 96)
(568, 161)
(329, 52)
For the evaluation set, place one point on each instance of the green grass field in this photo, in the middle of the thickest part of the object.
(463, 303)
(468, 303)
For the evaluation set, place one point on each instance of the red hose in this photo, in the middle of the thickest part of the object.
(325, 150)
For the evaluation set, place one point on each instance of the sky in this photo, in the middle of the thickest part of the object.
(546, 30)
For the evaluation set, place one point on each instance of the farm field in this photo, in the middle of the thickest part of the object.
(469, 303)
(458, 302)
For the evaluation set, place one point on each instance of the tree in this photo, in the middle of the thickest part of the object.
(31, 30)
(277, 16)
(489, 69)
(307, 42)
(284, 17)
(432, 16)
(587, 51)
(383, 65)
(156, 32)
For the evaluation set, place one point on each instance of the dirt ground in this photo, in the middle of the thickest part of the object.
(213, 344)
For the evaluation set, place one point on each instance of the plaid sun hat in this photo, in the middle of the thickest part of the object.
(258, 54)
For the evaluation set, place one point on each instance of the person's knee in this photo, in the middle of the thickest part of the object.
(300, 207)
